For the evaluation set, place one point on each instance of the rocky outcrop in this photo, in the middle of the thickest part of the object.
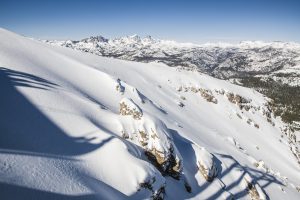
(254, 190)
(119, 87)
(206, 163)
(180, 104)
(157, 194)
(128, 107)
(208, 96)
(153, 136)
(237, 99)
(205, 93)
(168, 165)
(161, 151)
(241, 102)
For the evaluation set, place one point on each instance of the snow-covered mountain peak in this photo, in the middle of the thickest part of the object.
(134, 40)
(95, 39)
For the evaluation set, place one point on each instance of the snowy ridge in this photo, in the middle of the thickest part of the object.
(222, 60)
(85, 126)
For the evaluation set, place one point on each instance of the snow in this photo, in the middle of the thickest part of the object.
(221, 60)
(62, 134)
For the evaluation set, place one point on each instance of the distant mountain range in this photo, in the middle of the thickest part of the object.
(272, 68)
(220, 60)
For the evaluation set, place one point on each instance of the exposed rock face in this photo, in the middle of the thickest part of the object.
(240, 101)
(169, 165)
(161, 151)
(254, 190)
(236, 99)
(205, 93)
(207, 172)
(206, 163)
(157, 194)
(128, 107)
(208, 96)
(180, 104)
(119, 87)
(153, 136)
(221, 91)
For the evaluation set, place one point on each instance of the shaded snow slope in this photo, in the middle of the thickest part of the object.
(76, 125)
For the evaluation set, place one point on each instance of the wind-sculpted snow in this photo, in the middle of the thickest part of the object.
(77, 125)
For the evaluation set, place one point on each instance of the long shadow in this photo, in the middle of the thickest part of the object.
(100, 191)
(25, 128)
(188, 154)
(256, 176)
(18, 78)
(145, 99)
(16, 192)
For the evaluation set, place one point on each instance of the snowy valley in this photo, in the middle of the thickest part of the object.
(75, 125)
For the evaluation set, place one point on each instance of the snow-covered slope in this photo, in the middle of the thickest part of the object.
(77, 125)
(268, 67)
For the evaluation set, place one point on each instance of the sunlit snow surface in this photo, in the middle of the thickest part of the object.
(62, 136)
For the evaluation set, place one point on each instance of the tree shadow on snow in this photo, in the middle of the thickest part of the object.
(25, 130)
(190, 168)
(100, 191)
(24, 127)
(186, 150)
(23, 79)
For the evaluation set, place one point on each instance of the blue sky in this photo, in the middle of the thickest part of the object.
(186, 21)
